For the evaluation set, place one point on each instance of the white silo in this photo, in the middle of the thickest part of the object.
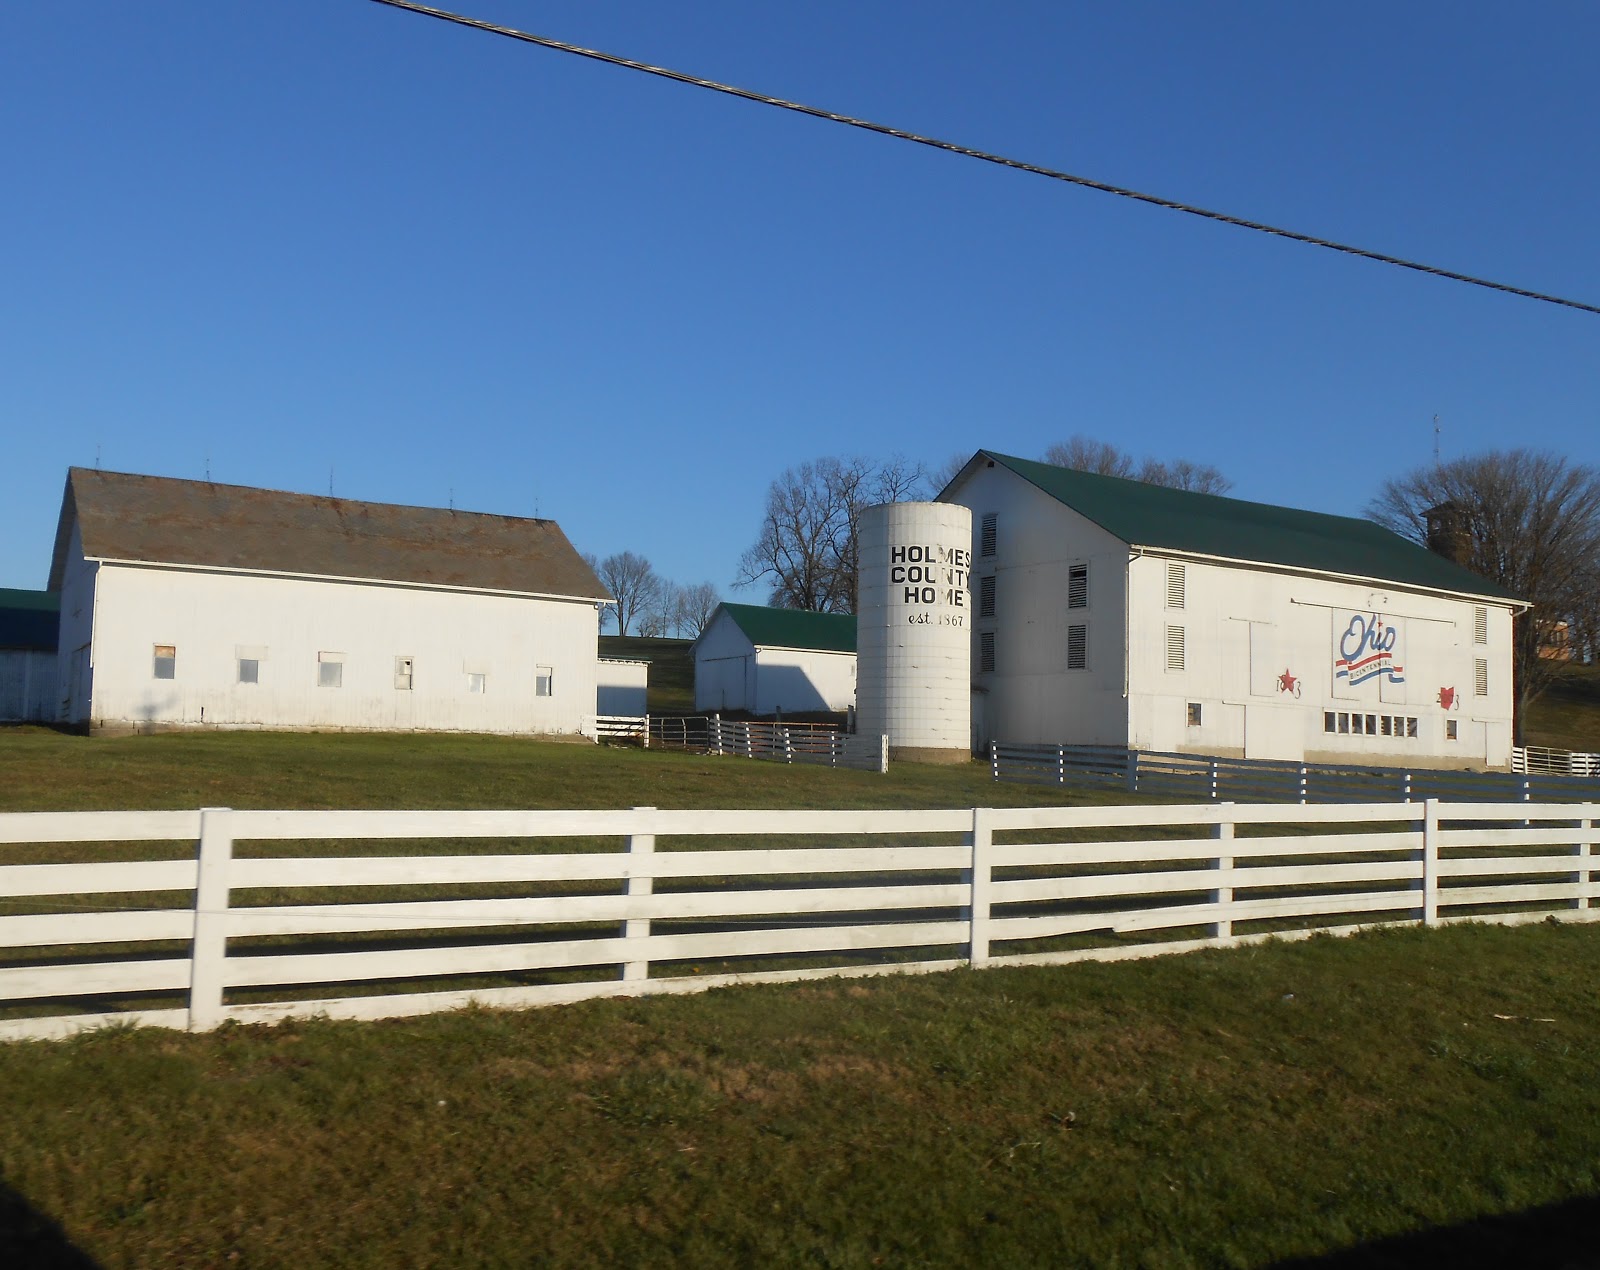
(914, 630)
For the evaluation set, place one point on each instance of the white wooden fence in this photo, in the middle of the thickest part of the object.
(1196, 776)
(578, 904)
(1539, 759)
(798, 743)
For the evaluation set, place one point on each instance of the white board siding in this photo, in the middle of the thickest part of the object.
(28, 685)
(207, 617)
(730, 673)
(623, 688)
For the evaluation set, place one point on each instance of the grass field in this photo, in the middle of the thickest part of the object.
(671, 689)
(1381, 1097)
(1567, 716)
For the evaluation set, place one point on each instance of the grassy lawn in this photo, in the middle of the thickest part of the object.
(1567, 716)
(1223, 1108)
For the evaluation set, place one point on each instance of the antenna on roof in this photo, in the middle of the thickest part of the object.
(97, 456)
(208, 467)
(1436, 440)
(452, 498)
(330, 480)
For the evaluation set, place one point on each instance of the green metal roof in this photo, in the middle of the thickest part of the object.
(29, 619)
(792, 628)
(1144, 515)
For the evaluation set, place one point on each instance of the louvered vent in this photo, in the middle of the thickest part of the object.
(1480, 676)
(986, 596)
(986, 652)
(1078, 587)
(1480, 626)
(986, 537)
(1174, 648)
(1077, 647)
(1176, 583)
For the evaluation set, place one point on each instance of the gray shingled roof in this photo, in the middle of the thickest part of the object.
(159, 520)
(1151, 516)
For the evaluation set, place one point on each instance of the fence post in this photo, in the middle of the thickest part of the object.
(994, 761)
(1405, 786)
(1222, 897)
(788, 749)
(1430, 862)
(1585, 863)
(1216, 785)
(209, 951)
(641, 885)
(982, 879)
(647, 731)
(1303, 785)
(714, 733)
(1132, 775)
(883, 752)
(1061, 765)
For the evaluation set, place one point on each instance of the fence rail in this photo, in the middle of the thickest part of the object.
(622, 727)
(798, 743)
(579, 904)
(1197, 776)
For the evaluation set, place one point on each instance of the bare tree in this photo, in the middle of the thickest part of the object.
(1529, 521)
(807, 550)
(633, 584)
(1085, 454)
(696, 605)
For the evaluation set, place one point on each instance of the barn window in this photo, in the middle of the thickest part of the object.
(986, 652)
(1077, 647)
(1480, 676)
(1175, 648)
(986, 537)
(330, 670)
(1195, 714)
(1480, 626)
(1177, 584)
(986, 596)
(404, 668)
(1329, 721)
(165, 663)
(1451, 729)
(1078, 587)
(477, 682)
(543, 681)
(249, 670)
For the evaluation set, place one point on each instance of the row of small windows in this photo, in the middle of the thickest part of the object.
(330, 671)
(1344, 723)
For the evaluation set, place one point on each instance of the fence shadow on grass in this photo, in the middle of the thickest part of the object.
(31, 1241)
(1553, 1237)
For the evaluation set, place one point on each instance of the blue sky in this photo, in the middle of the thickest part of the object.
(289, 236)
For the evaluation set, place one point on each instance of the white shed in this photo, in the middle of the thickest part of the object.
(29, 631)
(1114, 612)
(189, 604)
(766, 661)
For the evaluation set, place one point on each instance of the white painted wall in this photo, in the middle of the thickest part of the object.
(27, 686)
(213, 619)
(731, 674)
(1031, 697)
(1244, 628)
(623, 687)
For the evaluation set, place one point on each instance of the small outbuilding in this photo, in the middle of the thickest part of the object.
(771, 661)
(29, 627)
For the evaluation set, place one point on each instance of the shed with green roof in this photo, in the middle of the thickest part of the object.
(30, 623)
(775, 661)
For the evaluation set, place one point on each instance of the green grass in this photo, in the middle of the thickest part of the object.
(671, 688)
(1224, 1108)
(1567, 715)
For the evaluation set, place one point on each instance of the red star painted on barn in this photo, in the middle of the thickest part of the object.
(1287, 682)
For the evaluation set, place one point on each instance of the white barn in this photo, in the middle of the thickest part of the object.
(770, 661)
(29, 631)
(190, 604)
(1113, 612)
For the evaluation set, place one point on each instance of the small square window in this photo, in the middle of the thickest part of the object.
(403, 668)
(249, 670)
(1411, 728)
(1329, 721)
(330, 670)
(1344, 723)
(543, 682)
(1195, 714)
(1451, 729)
(477, 682)
(165, 664)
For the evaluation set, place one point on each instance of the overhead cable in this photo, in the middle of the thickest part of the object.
(955, 148)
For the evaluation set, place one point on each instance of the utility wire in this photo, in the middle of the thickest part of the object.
(954, 148)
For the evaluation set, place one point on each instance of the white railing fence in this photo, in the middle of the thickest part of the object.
(239, 923)
(1537, 759)
(620, 727)
(1199, 776)
(798, 743)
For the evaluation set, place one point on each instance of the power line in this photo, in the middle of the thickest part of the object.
(954, 148)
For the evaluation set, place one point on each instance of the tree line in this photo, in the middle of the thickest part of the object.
(644, 603)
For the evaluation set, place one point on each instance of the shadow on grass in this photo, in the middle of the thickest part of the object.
(29, 1239)
(1554, 1237)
